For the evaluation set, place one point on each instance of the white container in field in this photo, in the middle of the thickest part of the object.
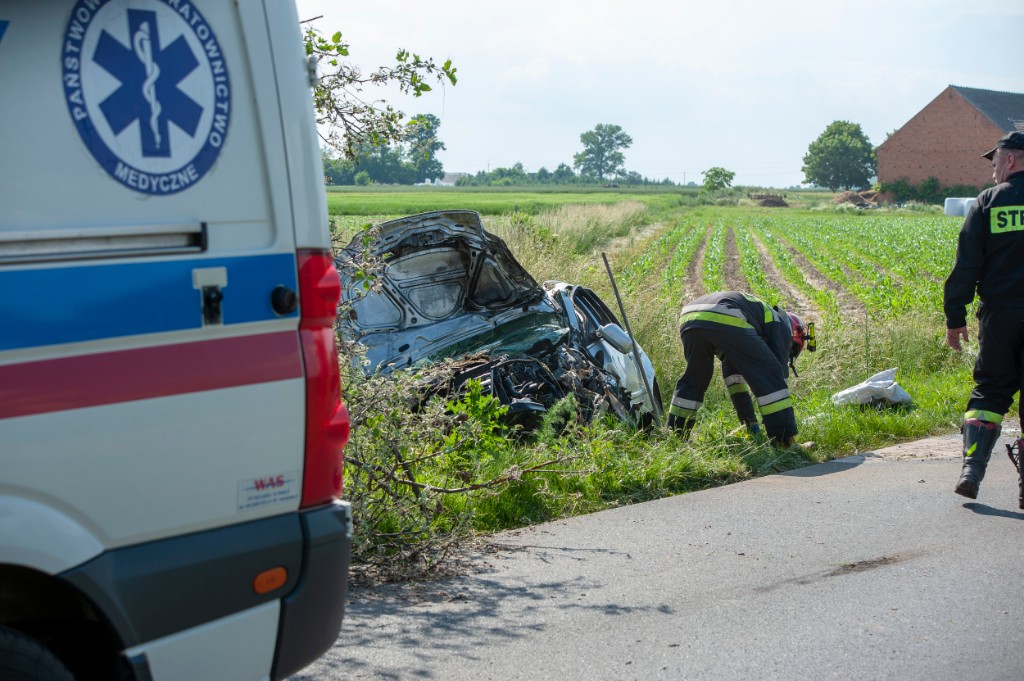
(958, 206)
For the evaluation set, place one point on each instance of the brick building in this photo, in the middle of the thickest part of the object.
(945, 139)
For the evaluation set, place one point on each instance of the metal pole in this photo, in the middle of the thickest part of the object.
(655, 408)
(867, 347)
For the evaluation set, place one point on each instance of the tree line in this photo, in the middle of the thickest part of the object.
(411, 158)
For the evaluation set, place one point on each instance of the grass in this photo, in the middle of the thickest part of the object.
(375, 202)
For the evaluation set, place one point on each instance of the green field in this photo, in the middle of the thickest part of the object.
(871, 280)
(348, 206)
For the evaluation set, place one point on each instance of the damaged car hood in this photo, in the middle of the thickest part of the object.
(443, 281)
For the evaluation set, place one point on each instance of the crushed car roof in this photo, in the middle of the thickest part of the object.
(443, 279)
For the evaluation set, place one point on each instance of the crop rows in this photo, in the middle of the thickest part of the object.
(832, 266)
(872, 262)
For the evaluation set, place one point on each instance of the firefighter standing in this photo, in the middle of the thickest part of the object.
(990, 260)
(755, 342)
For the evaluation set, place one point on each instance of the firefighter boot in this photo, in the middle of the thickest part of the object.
(680, 424)
(979, 439)
(795, 446)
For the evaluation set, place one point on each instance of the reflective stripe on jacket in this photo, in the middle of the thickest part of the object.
(741, 311)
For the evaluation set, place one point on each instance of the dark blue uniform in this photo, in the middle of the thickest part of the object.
(990, 260)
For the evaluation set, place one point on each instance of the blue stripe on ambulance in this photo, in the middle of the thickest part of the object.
(59, 305)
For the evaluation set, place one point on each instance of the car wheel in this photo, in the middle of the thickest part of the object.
(24, 659)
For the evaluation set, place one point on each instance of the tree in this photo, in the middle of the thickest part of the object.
(383, 164)
(633, 177)
(337, 171)
(348, 120)
(423, 145)
(842, 157)
(409, 163)
(716, 180)
(563, 174)
(601, 157)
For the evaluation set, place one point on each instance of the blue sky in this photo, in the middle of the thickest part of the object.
(739, 84)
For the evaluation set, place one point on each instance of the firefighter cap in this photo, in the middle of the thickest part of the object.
(1011, 140)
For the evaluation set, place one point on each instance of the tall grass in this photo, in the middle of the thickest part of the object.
(565, 242)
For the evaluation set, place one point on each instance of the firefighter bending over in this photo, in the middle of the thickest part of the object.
(755, 342)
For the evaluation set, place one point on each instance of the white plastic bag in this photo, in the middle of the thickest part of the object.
(880, 388)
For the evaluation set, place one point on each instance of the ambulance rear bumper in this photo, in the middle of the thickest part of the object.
(311, 614)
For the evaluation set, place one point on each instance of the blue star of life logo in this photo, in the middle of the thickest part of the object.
(149, 78)
(148, 90)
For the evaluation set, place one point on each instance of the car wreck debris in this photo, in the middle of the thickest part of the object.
(447, 292)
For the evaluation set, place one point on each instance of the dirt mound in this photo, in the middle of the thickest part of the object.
(865, 199)
(850, 197)
(770, 200)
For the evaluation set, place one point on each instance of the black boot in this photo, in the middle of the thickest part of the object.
(680, 424)
(979, 439)
(1015, 452)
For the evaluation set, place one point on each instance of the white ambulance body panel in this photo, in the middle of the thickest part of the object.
(241, 647)
(165, 344)
(48, 538)
(152, 305)
(165, 489)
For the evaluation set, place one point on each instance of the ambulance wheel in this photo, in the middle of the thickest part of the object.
(23, 659)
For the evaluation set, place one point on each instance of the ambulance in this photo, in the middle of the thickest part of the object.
(171, 426)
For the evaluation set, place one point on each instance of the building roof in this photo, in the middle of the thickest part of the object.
(1005, 109)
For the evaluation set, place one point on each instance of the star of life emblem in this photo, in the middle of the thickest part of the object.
(147, 87)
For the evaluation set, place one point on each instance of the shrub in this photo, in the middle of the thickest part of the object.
(929, 191)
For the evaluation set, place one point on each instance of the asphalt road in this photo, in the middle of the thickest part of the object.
(867, 567)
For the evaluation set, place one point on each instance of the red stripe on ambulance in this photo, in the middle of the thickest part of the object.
(144, 373)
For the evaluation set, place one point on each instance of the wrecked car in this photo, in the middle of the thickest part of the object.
(446, 290)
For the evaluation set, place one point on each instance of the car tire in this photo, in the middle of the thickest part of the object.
(23, 659)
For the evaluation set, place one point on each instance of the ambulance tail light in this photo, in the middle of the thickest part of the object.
(327, 423)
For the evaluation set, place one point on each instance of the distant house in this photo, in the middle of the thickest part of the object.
(450, 179)
(945, 139)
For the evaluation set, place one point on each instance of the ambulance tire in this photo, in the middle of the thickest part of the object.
(23, 659)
